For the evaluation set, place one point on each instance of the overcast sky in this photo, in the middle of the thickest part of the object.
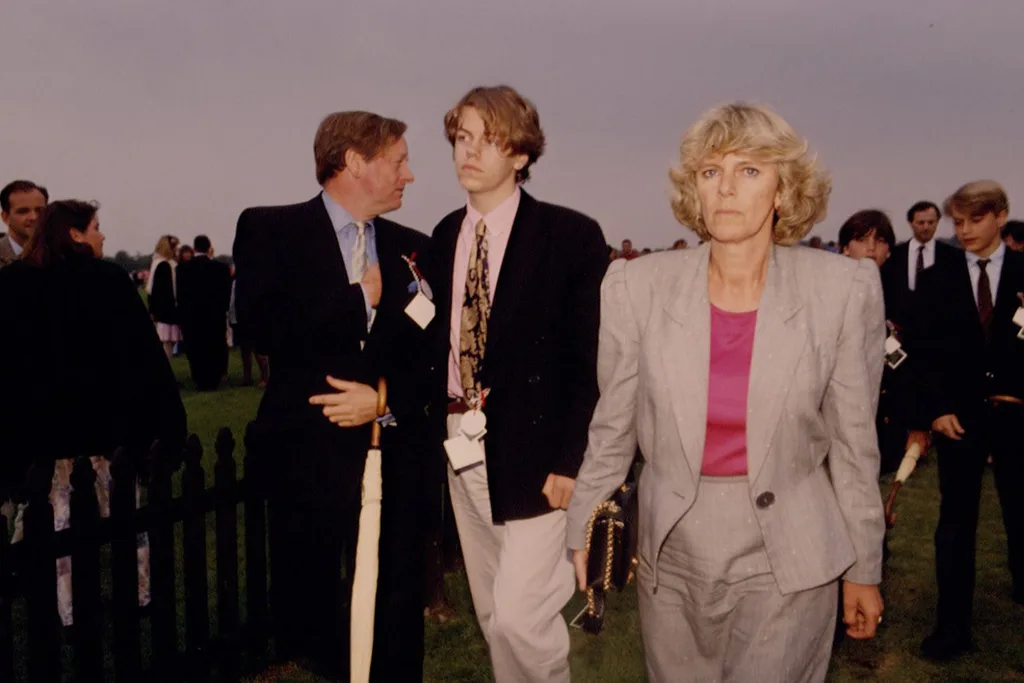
(177, 115)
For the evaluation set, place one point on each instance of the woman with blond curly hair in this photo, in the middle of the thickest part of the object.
(747, 371)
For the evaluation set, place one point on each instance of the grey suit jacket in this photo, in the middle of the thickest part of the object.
(812, 451)
(6, 251)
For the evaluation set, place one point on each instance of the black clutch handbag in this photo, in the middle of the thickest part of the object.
(611, 552)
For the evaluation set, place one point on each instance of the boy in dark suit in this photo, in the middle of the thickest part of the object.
(519, 301)
(971, 382)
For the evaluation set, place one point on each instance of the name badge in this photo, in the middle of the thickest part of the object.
(894, 353)
(473, 424)
(421, 310)
(1018, 320)
(463, 452)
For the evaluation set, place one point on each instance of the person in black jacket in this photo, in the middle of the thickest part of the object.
(204, 295)
(324, 288)
(519, 298)
(909, 259)
(86, 351)
(89, 374)
(869, 234)
(968, 334)
(161, 288)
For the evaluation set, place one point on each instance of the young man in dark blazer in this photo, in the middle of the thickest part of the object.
(518, 298)
(204, 294)
(971, 381)
(322, 288)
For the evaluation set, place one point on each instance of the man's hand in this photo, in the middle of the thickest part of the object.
(355, 404)
(372, 285)
(558, 490)
(579, 560)
(948, 426)
(920, 437)
(862, 610)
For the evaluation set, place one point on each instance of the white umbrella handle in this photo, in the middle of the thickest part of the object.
(909, 462)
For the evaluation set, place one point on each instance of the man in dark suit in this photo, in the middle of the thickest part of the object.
(21, 204)
(967, 329)
(519, 299)
(908, 259)
(323, 288)
(204, 294)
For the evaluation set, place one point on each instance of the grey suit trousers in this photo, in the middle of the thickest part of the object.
(717, 613)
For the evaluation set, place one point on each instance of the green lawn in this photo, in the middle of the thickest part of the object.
(456, 652)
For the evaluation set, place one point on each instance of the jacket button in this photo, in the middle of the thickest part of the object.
(765, 500)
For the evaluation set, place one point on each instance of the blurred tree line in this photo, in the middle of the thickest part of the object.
(142, 261)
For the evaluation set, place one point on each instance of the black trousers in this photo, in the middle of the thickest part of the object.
(207, 354)
(312, 559)
(993, 429)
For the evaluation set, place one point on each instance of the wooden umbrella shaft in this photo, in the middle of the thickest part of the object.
(382, 410)
(890, 518)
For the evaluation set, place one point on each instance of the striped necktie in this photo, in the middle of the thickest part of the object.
(358, 254)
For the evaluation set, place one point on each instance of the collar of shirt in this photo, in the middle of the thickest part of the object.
(499, 220)
(342, 219)
(995, 259)
(929, 247)
(16, 248)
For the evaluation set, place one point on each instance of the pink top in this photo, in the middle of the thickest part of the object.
(499, 225)
(732, 345)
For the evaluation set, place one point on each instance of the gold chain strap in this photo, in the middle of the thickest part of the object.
(612, 508)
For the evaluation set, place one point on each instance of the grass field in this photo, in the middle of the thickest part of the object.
(456, 651)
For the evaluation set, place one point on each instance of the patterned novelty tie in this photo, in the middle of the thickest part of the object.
(476, 308)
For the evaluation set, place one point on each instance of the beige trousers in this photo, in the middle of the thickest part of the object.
(717, 615)
(520, 577)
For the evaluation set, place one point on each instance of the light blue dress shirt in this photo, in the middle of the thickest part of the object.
(346, 231)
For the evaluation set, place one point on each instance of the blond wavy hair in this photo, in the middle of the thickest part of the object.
(978, 198)
(165, 246)
(756, 131)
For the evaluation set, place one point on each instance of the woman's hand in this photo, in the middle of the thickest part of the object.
(862, 610)
(579, 560)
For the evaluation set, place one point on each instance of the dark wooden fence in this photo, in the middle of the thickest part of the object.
(109, 639)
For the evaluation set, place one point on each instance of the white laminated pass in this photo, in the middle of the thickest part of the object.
(421, 310)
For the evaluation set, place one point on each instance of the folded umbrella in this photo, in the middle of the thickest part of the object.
(906, 468)
(364, 582)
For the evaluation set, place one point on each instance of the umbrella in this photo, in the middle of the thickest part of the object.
(907, 466)
(364, 582)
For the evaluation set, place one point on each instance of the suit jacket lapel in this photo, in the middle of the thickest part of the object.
(686, 355)
(325, 240)
(6, 250)
(779, 341)
(526, 247)
(443, 246)
(963, 289)
(1006, 301)
(394, 287)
